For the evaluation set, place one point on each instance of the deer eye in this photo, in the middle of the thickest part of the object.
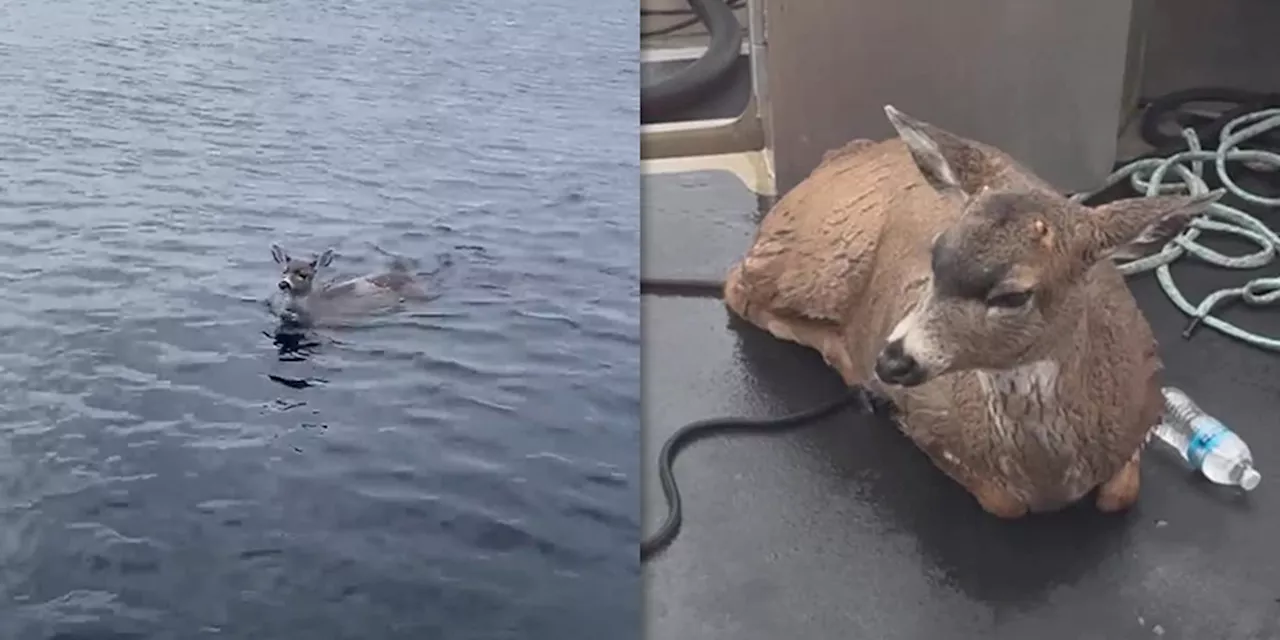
(1011, 300)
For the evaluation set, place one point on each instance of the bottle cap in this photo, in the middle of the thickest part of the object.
(1250, 478)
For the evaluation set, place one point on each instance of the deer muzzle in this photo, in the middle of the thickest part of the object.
(896, 367)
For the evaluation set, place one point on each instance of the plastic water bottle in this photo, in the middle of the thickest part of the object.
(1205, 443)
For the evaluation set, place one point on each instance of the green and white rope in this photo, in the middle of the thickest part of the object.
(1155, 176)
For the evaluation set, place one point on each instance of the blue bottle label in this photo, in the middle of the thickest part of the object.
(1207, 432)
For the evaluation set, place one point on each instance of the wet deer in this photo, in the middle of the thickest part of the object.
(303, 299)
(941, 273)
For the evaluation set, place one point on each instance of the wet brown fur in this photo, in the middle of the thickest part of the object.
(1039, 407)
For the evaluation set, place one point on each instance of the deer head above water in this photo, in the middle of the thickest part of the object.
(302, 299)
(941, 272)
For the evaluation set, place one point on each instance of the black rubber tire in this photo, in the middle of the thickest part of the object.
(703, 76)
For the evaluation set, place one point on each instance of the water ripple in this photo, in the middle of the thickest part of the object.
(461, 469)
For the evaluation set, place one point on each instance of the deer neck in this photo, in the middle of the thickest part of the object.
(1036, 382)
(1035, 387)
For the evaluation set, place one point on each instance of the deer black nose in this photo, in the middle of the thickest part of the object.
(284, 285)
(895, 366)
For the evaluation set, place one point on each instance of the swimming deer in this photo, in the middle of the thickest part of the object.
(941, 273)
(301, 300)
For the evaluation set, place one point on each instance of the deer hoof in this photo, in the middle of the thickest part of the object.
(1000, 503)
(1121, 492)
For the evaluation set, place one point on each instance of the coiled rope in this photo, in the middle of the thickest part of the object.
(1183, 173)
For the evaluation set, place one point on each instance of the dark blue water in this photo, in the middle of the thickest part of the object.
(460, 469)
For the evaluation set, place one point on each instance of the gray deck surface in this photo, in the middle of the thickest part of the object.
(843, 530)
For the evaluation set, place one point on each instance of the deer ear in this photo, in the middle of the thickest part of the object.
(948, 162)
(324, 259)
(1135, 227)
(279, 254)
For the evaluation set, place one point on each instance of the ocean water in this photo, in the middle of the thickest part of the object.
(171, 467)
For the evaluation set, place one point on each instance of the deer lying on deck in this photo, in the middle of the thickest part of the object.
(942, 274)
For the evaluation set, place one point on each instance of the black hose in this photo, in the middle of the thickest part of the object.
(1209, 130)
(732, 4)
(860, 397)
(706, 74)
(682, 287)
(1171, 108)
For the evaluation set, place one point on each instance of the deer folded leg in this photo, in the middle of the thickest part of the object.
(990, 495)
(736, 294)
(824, 337)
(998, 502)
(1121, 491)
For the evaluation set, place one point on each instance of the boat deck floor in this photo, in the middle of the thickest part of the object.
(845, 530)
